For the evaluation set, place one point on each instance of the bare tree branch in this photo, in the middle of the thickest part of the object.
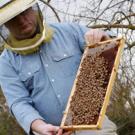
(47, 3)
(132, 27)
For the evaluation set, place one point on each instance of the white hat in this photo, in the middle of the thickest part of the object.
(11, 8)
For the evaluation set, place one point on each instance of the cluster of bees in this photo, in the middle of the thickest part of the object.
(90, 90)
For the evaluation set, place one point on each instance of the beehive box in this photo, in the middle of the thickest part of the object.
(93, 85)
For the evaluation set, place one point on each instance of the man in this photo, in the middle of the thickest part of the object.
(38, 67)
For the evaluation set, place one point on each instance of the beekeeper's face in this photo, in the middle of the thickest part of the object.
(24, 25)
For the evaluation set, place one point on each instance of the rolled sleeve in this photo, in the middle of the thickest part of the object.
(17, 96)
(25, 114)
(79, 32)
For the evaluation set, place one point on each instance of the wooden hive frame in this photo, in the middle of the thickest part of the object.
(108, 91)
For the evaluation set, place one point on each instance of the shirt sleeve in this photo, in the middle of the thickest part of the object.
(74, 32)
(17, 96)
(79, 32)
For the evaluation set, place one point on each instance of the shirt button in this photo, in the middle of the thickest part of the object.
(52, 80)
(46, 65)
(65, 55)
(59, 96)
(29, 73)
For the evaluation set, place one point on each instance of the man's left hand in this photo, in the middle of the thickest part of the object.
(95, 35)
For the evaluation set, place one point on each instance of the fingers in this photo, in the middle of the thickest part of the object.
(52, 128)
(50, 133)
(60, 132)
(47, 133)
(89, 37)
(67, 133)
(95, 35)
(105, 37)
(49, 129)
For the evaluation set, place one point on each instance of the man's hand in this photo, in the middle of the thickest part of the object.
(95, 35)
(39, 127)
(42, 128)
(60, 132)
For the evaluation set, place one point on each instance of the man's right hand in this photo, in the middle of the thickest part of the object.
(60, 132)
(42, 128)
(39, 127)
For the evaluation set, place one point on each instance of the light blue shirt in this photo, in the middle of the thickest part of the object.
(37, 86)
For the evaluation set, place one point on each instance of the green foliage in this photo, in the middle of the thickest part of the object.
(1, 49)
(8, 125)
(122, 108)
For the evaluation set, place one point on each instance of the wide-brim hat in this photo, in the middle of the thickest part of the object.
(11, 8)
